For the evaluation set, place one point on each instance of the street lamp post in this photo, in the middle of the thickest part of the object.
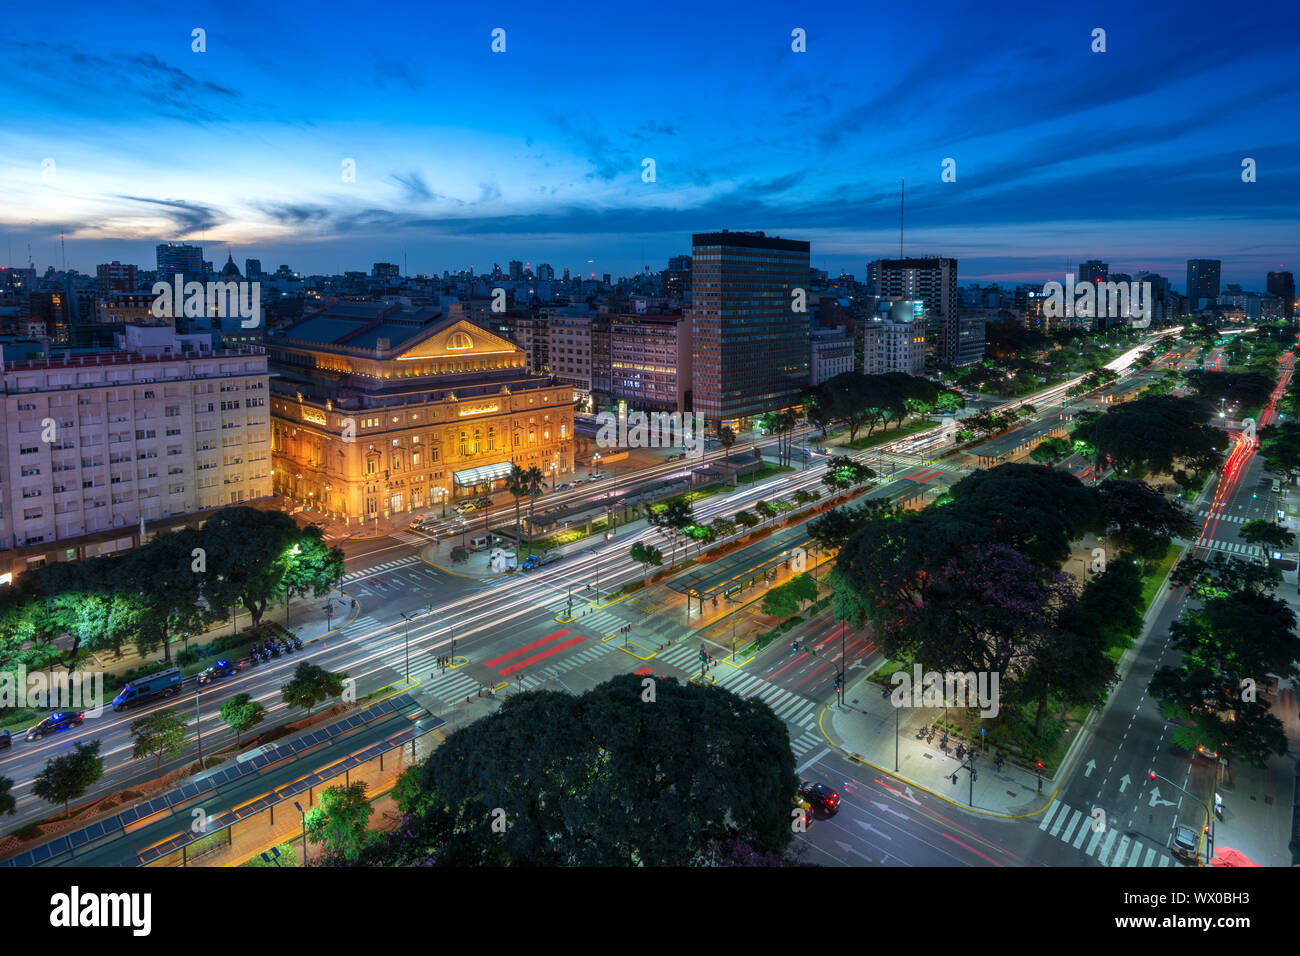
(198, 727)
(303, 814)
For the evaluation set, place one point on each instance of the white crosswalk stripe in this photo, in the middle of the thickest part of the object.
(408, 537)
(1073, 826)
(380, 568)
(1232, 547)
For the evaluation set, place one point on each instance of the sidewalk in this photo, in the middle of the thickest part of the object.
(864, 729)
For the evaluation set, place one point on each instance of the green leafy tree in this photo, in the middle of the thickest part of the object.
(340, 822)
(517, 485)
(1154, 435)
(1138, 518)
(1051, 450)
(671, 519)
(241, 713)
(843, 473)
(1280, 446)
(588, 780)
(1228, 644)
(648, 557)
(160, 734)
(310, 685)
(746, 519)
(310, 566)
(534, 482)
(68, 777)
(722, 527)
(8, 805)
(1266, 535)
(245, 557)
(1035, 509)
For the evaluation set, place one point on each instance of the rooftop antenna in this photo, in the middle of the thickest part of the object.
(63, 252)
(902, 187)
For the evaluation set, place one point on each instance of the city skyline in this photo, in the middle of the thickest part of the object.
(240, 147)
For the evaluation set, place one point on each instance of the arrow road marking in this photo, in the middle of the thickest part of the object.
(1156, 801)
(885, 808)
(845, 848)
(1124, 781)
(870, 829)
(1091, 765)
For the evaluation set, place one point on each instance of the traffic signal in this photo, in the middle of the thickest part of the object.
(794, 646)
(1151, 774)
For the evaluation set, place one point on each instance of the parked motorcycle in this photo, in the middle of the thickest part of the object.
(297, 642)
(920, 734)
(272, 649)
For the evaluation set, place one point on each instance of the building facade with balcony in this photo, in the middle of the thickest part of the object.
(379, 410)
(162, 427)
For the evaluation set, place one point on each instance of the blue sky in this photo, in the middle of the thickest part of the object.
(468, 157)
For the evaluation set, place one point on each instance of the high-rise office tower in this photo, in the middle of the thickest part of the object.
(1202, 281)
(1094, 270)
(1282, 285)
(749, 347)
(174, 257)
(932, 280)
(252, 268)
(516, 270)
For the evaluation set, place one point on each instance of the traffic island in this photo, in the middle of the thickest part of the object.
(869, 729)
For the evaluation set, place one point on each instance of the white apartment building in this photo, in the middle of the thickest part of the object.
(159, 428)
(890, 344)
(831, 353)
(570, 350)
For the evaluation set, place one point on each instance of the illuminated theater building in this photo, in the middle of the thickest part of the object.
(380, 410)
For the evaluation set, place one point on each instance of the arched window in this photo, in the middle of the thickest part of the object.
(459, 341)
(478, 441)
(492, 439)
(464, 445)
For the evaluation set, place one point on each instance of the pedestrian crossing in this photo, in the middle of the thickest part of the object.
(408, 537)
(379, 568)
(1232, 547)
(1106, 845)
(1230, 519)
(789, 707)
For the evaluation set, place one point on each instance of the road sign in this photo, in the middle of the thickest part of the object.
(984, 731)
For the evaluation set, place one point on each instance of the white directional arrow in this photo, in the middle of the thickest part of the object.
(857, 664)
(1156, 801)
(886, 808)
(870, 829)
(845, 848)
(1124, 781)
(1091, 765)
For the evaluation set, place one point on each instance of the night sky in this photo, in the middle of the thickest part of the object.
(465, 157)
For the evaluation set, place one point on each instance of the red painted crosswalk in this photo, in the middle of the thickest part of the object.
(533, 658)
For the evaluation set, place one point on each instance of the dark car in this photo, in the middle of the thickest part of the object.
(6, 740)
(54, 723)
(483, 502)
(822, 797)
(218, 670)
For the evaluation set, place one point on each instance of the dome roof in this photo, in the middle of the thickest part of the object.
(230, 270)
